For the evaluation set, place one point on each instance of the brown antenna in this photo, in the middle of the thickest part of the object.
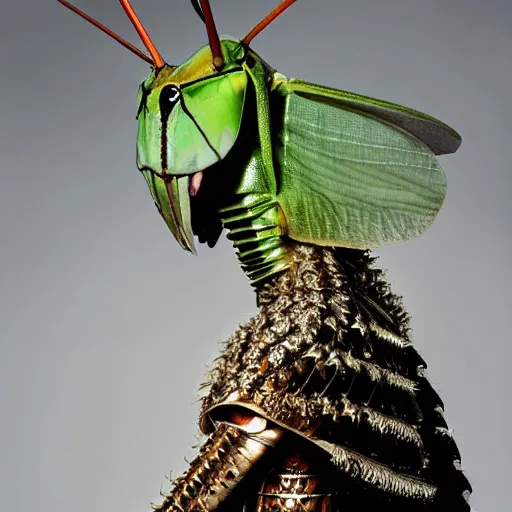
(157, 59)
(267, 20)
(107, 31)
(213, 35)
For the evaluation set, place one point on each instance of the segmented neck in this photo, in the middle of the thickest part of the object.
(254, 229)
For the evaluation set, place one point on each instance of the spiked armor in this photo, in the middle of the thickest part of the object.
(328, 364)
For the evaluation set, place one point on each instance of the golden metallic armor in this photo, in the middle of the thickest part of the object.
(320, 402)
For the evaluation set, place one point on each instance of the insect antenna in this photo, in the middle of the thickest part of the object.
(213, 35)
(157, 59)
(266, 21)
(107, 31)
(199, 11)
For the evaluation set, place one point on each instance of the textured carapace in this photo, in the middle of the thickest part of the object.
(330, 352)
(328, 370)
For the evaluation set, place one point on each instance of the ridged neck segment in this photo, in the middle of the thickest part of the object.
(255, 231)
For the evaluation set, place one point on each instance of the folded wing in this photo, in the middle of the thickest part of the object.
(353, 171)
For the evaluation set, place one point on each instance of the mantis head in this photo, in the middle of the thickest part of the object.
(189, 115)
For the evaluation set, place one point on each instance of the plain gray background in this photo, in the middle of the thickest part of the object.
(107, 326)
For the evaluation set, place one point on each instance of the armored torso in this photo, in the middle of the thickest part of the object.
(329, 359)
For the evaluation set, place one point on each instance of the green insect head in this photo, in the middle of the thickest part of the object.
(189, 115)
(189, 118)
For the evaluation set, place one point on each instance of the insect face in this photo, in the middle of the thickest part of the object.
(189, 115)
(189, 118)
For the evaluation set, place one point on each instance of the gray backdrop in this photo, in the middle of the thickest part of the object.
(106, 325)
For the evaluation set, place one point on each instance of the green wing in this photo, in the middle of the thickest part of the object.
(439, 137)
(350, 177)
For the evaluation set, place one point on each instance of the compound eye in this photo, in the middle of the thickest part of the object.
(169, 96)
